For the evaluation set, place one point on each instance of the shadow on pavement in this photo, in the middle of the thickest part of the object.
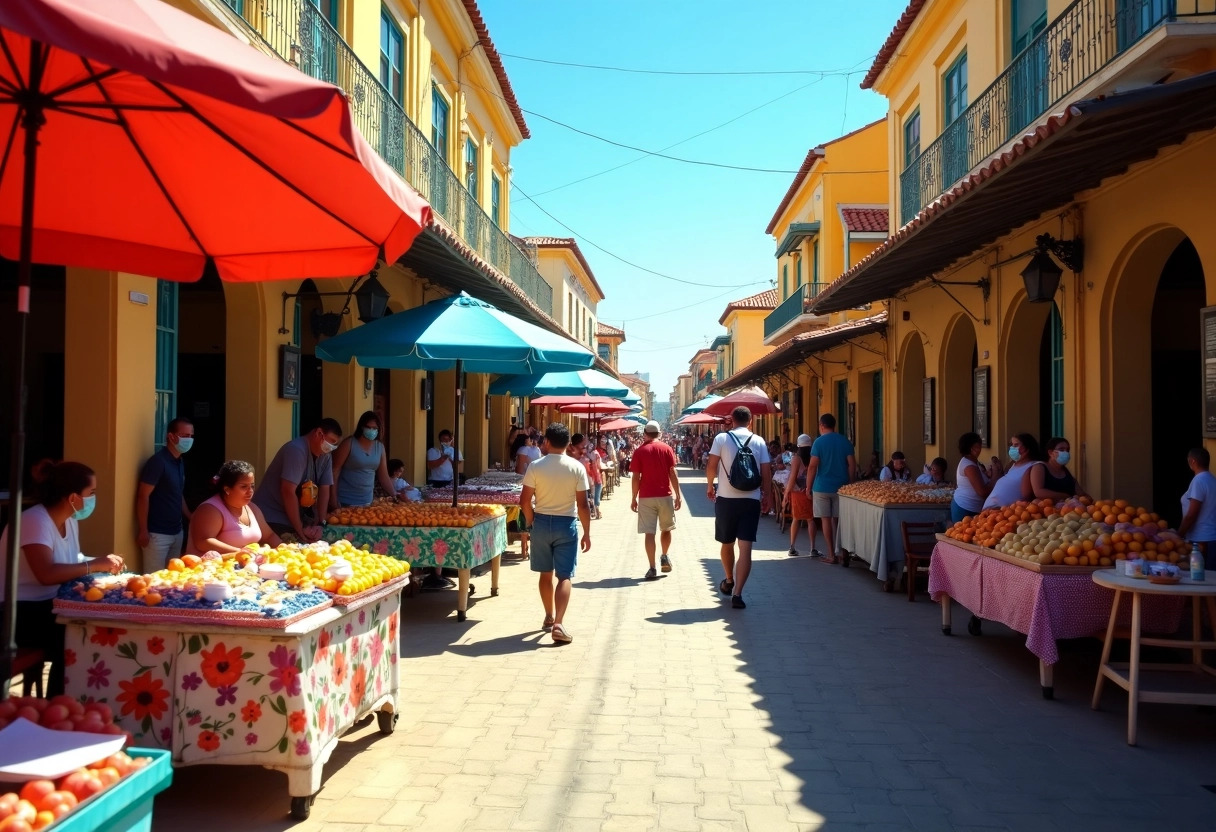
(523, 642)
(617, 583)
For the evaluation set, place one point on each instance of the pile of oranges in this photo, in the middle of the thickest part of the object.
(389, 513)
(989, 526)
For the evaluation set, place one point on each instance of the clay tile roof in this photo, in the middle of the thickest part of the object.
(865, 219)
(500, 72)
(811, 157)
(565, 242)
(761, 300)
(892, 43)
(606, 331)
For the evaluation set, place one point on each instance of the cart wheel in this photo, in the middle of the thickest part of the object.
(461, 615)
(975, 626)
(387, 721)
(301, 807)
(493, 592)
(472, 589)
(946, 630)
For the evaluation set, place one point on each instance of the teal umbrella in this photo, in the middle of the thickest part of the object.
(637, 408)
(632, 398)
(698, 406)
(561, 383)
(458, 333)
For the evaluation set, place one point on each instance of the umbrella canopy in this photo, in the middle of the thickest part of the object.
(633, 417)
(637, 408)
(459, 328)
(569, 383)
(632, 398)
(563, 401)
(595, 409)
(619, 424)
(701, 404)
(753, 398)
(700, 419)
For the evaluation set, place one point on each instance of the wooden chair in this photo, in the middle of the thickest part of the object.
(919, 540)
(782, 517)
(28, 662)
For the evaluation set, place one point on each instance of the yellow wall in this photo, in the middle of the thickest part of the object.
(746, 328)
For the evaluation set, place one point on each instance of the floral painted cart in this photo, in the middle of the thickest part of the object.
(451, 547)
(244, 695)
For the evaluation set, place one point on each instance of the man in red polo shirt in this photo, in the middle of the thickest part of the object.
(656, 493)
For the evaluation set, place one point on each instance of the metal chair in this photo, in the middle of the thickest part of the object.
(919, 540)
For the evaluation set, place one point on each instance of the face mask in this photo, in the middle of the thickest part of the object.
(371, 433)
(447, 443)
(1014, 453)
(327, 448)
(184, 444)
(1062, 457)
(90, 503)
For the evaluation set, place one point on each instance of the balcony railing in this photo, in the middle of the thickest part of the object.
(1085, 37)
(797, 304)
(299, 34)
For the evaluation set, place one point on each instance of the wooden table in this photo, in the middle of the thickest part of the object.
(1144, 682)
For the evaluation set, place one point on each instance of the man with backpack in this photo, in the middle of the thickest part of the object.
(742, 494)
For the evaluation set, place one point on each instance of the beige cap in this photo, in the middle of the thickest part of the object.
(652, 427)
(805, 441)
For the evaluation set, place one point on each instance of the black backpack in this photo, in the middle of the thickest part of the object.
(744, 474)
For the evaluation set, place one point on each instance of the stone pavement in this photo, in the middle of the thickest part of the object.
(826, 704)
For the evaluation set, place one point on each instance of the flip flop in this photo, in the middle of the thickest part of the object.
(548, 623)
(560, 635)
(831, 560)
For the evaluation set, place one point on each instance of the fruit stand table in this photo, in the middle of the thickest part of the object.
(1145, 682)
(243, 695)
(871, 532)
(1045, 603)
(452, 547)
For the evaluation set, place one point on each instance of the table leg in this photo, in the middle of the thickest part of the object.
(945, 602)
(1196, 631)
(494, 564)
(462, 599)
(1047, 679)
(1211, 605)
(1106, 645)
(1133, 695)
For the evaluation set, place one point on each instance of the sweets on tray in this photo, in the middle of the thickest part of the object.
(341, 567)
(897, 492)
(389, 513)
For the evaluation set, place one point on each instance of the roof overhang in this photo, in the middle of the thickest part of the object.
(800, 347)
(720, 341)
(1072, 152)
(798, 231)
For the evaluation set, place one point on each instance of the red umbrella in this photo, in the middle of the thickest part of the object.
(595, 410)
(618, 424)
(753, 398)
(701, 419)
(143, 140)
(570, 401)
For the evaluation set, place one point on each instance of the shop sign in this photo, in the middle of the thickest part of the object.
(289, 372)
(980, 401)
(929, 410)
(1208, 318)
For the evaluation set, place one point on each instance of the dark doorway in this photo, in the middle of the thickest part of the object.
(1176, 393)
(309, 308)
(202, 334)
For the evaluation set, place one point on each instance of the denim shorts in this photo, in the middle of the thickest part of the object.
(554, 545)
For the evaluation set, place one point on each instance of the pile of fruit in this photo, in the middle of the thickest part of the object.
(40, 803)
(340, 568)
(1076, 532)
(61, 713)
(897, 492)
(389, 513)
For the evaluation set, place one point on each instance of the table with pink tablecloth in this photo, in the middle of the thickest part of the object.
(1043, 606)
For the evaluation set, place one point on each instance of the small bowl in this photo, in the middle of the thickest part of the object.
(1168, 580)
(217, 591)
(272, 571)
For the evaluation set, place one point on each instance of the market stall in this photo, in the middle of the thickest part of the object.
(460, 537)
(220, 682)
(871, 518)
(1029, 566)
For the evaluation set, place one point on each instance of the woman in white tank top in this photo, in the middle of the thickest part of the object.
(230, 520)
(1015, 484)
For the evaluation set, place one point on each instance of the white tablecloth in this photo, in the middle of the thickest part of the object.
(872, 532)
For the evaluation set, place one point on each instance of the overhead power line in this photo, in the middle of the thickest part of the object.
(687, 72)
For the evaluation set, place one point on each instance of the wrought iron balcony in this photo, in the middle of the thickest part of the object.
(792, 308)
(1083, 39)
(299, 33)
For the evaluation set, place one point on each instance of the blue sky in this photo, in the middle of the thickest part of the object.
(697, 223)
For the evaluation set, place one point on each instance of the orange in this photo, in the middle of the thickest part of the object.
(176, 565)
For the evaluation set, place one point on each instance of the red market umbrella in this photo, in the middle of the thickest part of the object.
(753, 398)
(140, 139)
(595, 410)
(618, 424)
(701, 419)
(572, 401)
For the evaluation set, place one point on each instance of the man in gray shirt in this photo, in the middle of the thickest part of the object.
(295, 489)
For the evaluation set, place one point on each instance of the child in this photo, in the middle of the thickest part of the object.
(935, 473)
(405, 491)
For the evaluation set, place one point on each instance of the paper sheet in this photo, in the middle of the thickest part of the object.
(30, 752)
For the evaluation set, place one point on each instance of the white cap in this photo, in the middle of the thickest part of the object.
(805, 441)
(652, 427)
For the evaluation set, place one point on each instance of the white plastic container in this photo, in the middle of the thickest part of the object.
(272, 571)
(217, 591)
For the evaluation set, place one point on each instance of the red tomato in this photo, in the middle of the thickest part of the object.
(8, 709)
(58, 798)
(101, 709)
(35, 790)
(55, 713)
(29, 712)
(15, 824)
(75, 783)
(108, 776)
(8, 804)
(42, 820)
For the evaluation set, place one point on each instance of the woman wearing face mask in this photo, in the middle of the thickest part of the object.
(1053, 480)
(359, 463)
(50, 556)
(230, 520)
(1015, 484)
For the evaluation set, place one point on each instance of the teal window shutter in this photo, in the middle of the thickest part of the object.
(166, 358)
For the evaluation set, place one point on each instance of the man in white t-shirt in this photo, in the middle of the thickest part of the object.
(737, 513)
(1199, 502)
(559, 485)
(444, 462)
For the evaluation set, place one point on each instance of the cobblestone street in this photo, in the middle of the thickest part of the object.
(825, 704)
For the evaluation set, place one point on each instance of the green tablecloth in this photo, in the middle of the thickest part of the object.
(453, 548)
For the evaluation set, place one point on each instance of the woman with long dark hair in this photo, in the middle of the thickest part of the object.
(230, 520)
(359, 463)
(1015, 484)
(796, 502)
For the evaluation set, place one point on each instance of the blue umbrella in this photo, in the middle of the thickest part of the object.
(457, 332)
(698, 406)
(637, 408)
(568, 383)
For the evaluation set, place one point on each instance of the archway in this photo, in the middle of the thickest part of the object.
(959, 360)
(1032, 367)
(911, 402)
(201, 378)
(309, 309)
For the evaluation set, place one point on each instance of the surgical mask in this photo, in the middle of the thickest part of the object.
(90, 503)
(447, 443)
(1014, 453)
(327, 447)
(371, 433)
(184, 444)
(1062, 457)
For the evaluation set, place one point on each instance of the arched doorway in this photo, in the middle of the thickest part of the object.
(201, 376)
(911, 402)
(959, 360)
(1032, 370)
(305, 334)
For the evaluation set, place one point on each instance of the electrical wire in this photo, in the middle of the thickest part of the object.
(680, 308)
(714, 73)
(666, 348)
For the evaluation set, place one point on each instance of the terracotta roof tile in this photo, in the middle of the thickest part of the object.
(500, 72)
(892, 42)
(865, 219)
(565, 242)
(603, 329)
(761, 300)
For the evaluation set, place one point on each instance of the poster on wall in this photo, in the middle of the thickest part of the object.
(853, 423)
(929, 410)
(980, 399)
(1207, 317)
(289, 372)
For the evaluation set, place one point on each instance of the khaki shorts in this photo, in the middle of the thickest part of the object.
(826, 505)
(656, 513)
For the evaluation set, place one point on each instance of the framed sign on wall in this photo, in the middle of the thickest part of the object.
(979, 392)
(289, 372)
(929, 410)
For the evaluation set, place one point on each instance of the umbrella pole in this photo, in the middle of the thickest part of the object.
(456, 439)
(31, 121)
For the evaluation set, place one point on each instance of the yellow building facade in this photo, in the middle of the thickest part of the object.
(608, 340)
(744, 339)
(114, 356)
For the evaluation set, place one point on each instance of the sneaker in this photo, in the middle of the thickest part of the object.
(665, 563)
(736, 602)
(651, 574)
(815, 553)
(792, 552)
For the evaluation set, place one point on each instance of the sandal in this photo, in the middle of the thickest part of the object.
(726, 587)
(560, 635)
(548, 623)
(831, 560)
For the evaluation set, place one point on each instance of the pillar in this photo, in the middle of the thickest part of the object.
(477, 440)
(407, 423)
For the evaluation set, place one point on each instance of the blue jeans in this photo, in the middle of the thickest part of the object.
(598, 492)
(554, 545)
(957, 512)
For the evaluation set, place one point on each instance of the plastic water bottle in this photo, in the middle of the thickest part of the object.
(1196, 564)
